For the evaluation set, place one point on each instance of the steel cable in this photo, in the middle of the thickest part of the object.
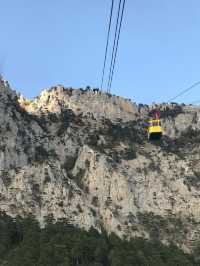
(107, 42)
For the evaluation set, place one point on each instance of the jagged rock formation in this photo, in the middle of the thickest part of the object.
(83, 156)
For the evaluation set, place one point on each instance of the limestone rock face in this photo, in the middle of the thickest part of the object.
(83, 156)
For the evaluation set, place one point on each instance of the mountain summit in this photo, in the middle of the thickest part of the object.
(83, 156)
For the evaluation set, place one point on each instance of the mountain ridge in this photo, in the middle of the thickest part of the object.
(83, 156)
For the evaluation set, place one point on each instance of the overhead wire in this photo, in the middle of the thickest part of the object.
(120, 15)
(184, 91)
(114, 44)
(116, 50)
(107, 43)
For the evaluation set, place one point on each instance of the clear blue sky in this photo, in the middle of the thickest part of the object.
(48, 42)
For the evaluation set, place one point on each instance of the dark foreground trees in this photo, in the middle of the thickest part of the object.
(23, 243)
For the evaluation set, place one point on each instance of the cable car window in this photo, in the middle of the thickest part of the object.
(155, 124)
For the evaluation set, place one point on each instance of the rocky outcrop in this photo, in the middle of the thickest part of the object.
(83, 156)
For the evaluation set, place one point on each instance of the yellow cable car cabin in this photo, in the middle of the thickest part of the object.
(154, 129)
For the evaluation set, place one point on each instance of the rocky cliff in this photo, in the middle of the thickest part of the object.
(83, 156)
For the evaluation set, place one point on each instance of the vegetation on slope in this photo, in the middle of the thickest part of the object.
(24, 243)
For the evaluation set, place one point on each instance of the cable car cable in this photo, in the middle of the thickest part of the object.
(184, 91)
(114, 63)
(114, 44)
(107, 42)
